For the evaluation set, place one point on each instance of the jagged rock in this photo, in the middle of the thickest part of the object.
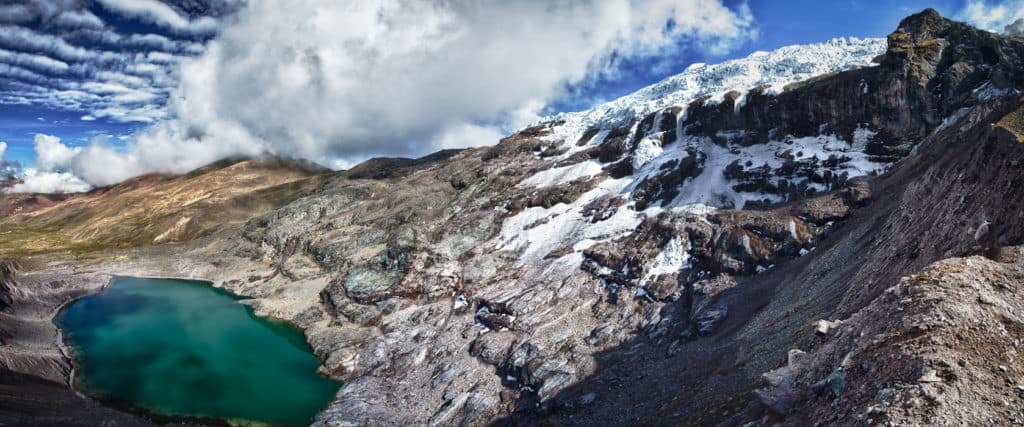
(665, 186)
(602, 208)
(709, 316)
(497, 321)
(493, 348)
(8, 283)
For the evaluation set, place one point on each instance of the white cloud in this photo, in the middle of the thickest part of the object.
(98, 164)
(36, 62)
(469, 135)
(27, 39)
(49, 182)
(338, 82)
(993, 16)
(124, 86)
(8, 169)
(51, 154)
(16, 13)
(58, 54)
(78, 19)
(160, 14)
(326, 80)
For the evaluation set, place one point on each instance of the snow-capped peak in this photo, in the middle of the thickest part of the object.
(713, 172)
(775, 69)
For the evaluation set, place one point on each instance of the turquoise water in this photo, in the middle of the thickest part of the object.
(184, 348)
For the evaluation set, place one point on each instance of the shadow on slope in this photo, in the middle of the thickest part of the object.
(927, 208)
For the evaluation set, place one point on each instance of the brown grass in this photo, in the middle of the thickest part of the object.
(1014, 122)
(174, 208)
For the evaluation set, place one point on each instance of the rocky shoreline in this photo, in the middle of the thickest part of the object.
(51, 283)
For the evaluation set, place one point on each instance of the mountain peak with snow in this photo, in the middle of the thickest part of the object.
(773, 70)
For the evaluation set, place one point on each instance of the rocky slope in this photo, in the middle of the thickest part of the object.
(656, 259)
(940, 347)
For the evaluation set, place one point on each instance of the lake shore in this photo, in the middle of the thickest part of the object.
(33, 355)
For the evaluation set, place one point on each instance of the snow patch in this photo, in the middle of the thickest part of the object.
(646, 150)
(712, 188)
(862, 136)
(566, 223)
(562, 175)
(774, 69)
(988, 92)
(673, 257)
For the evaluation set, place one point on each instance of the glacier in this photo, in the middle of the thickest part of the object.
(537, 231)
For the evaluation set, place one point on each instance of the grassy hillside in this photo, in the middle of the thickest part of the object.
(158, 208)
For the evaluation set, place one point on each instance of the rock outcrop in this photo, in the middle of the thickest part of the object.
(8, 282)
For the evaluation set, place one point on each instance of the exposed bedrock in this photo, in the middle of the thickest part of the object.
(8, 282)
(932, 68)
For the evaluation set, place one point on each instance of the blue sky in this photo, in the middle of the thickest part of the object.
(780, 23)
(122, 106)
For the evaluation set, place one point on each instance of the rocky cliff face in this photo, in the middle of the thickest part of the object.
(655, 259)
(8, 282)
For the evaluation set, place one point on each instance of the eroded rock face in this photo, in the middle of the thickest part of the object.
(933, 67)
(8, 282)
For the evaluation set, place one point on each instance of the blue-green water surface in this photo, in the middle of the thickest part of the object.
(184, 348)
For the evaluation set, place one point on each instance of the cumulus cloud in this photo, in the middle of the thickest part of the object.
(340, 81)
(35, 181)
(468, 135)
(329, 80)
(99, 164)
(995, 16)
(49, 182)
(7, 169)
(160, 14)
(51, 154)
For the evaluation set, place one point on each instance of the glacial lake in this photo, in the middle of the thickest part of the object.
(184, 348)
